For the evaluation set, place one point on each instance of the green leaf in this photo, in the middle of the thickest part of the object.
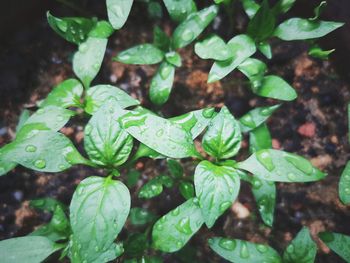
(301, 29)
(65, 94)
(344, 185)
(45, 151)
(144, 54)
(57, 229)
(195, 121)
(301, 249)
(242, 47)
(154, 187)
(118, 12)
(276, 88)
(173, 58)
(46, 204)
(97, 95)
(339, 243)
(213, 47)
(141, 216)
(162, 83)
(160, 39)
(265, 49)
(186, 189)
(106, 143)
(29, 249)
(193, 26)
(161, 135)
(254, 69)
(317, 52)
(136, 244)
(102, 29)
(6, 162)
(260, 138)
(88, 59)
(265, 196)
(72, 29)
(172, 231)
(98, 211)
(180, 9)
(155, 9)
(250, 7)
(283, 6)
(319, 9)
(175, 168)
(262, 25)
(279, 166)
(216, 188)
(223, 138)
(255, 117)
(25, 114)
(240, 251)
(52, 117)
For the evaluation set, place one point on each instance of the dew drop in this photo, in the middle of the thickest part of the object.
(175, 212)
(292, 177)
(208, 113)
(96, 66)
(187, 35)
(124, 57)
(227, 244)
(256, 183)
(184, 226)
(165, 71)
(83, 47)
(247, 120)
(266, 111)
(160, 132)
(265, 159)
(40, 164)
(244, 252)
(224, 206)
(290, 248)
(261, 248)
(97, 248)
(179, 244)
(347, 190)
(40, 111)
(30, 148)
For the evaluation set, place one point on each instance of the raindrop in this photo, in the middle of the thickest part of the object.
(244, 252)
(83, 47)
(256, 183)
(184, 226)
(179, 244)
(40, 164)
(265, 159)
(97, 248)
(165, 71)
(300, 163)
(227, 244)
(292, 177)
(290, 248)
(266, 111)
(247, 120)
(31, 148)
(261, 248)
(208, 113)
(175, 212)
(187, 35)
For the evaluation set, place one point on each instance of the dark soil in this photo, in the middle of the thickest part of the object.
(33, 59)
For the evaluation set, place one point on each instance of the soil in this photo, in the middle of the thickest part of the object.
(33, 59)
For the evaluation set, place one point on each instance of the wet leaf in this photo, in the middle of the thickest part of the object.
(240, 251)
(65, 94)
(118, 12)
(213, 47)
(141, 216)
(223, 138)
(260, 138)
(339, 243)
(262, 24)
(242, 47)
(45, 151)
(301, 249)
(144, 54)
(25, 114)
(88, 59)
(97, 95)
(161, 135)
(255, 117)
(173, 58)
(282, 6)
(279, 166)
(317, 52)
(162, 83)
(160, 39)
(193, 26)
(172, 231)
(29, 249)
(154, 187)
(301, 29)
(102, 29)
(216, 188)
(276, 88)
(254, 69)
(72, 29)
(175, 168)
(186, 190)
(180, 9)
(106, 143)
(98, 211)
(250, 7)
(344, 185)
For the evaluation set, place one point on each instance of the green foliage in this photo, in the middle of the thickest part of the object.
(118, 132)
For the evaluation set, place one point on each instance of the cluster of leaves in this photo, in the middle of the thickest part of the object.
(120, 131)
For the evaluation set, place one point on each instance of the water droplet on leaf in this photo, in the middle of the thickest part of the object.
(30, 148)
(265, 159)
(227, 244)
(40, 164)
